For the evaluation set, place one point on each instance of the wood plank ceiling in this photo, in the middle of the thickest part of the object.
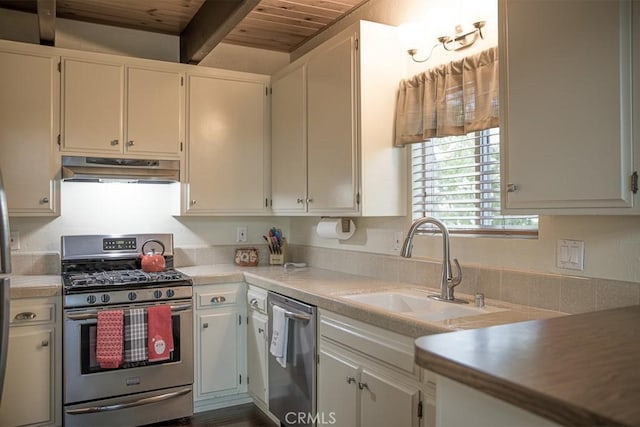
(280, 25)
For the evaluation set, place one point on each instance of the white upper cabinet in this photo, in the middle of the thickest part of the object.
(227, 145)
(566, 101)
(154, 111)
(113, 108)
(29, 88)
(289, 143)
(333, 118)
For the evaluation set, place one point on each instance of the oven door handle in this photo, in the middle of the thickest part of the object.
(94, 314)
(132, 404)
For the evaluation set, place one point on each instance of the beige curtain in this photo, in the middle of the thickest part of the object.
(451, 99)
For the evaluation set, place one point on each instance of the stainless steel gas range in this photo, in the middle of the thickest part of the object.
(102, 278)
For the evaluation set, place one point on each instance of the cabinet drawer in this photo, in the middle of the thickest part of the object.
(257, 299)
(217, 296)
(385, 346)
(26, 314)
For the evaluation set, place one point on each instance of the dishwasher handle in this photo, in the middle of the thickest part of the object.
(295, 316)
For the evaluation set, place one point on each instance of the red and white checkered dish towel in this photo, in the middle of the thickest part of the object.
(109, 341)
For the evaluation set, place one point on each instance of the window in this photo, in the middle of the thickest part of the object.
(457, 180)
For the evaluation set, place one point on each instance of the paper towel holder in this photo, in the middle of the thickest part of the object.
(345, 223)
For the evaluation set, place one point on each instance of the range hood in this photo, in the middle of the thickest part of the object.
(103, 169)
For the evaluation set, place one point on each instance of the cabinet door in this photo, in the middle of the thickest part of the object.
(218, 353)
(28, 391)
(386, 401)
(92, 106)
(332, 162)
(257, 355)
(29, 85)
(289, 143)
(154, 100)
(228, 152)
(338, 389)
(566, 105)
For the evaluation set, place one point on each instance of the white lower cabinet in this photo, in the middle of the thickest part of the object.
(366, 376)
(220, 346)
(479, 409)
(258, 346)
(32, 386)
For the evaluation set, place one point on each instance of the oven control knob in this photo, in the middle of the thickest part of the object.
(132, 296)
(91, 299)
(170, 293)
(105, 298)
(157, 293)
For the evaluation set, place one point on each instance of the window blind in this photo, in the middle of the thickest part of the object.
(457, 180)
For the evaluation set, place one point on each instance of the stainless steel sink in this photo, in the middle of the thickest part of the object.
(417, 304)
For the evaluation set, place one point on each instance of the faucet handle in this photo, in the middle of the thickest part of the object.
(457, 279)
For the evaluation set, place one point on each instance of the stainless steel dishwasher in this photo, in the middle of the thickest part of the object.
(292, 389)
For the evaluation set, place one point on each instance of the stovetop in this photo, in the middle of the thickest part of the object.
(79, 281)
(105, 269)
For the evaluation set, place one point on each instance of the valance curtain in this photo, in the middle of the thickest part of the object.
(448, 100)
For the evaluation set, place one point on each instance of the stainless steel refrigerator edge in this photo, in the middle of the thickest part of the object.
(5, 270)
(292, 390)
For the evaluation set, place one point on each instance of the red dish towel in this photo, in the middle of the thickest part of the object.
(160, 334)
(109, 338)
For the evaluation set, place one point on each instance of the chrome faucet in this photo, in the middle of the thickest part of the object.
(447, 281)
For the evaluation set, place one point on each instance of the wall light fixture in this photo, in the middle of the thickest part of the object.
(460, 40)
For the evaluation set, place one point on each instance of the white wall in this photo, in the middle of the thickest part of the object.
(118, 41)
(116, 208)
(247, 59)
(19, 26)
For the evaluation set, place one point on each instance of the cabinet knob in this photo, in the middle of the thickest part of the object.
(350, 380)
(512, 188)
(218, 300)
(45, 343)
(205, 325)
(130, 143)
(362, 386)
(309, 200)
(193, 202)
(115, 142)
(260, 331)
(44, 200)
(299, 201)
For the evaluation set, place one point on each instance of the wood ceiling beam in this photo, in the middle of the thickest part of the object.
(210, 25)
(47, 21)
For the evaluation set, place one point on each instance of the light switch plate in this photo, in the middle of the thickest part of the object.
(570, 254)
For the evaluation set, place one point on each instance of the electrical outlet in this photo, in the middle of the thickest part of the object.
(14, 236)
(241, 234)
(397, 240)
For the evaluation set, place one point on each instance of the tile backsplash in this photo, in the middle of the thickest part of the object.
(570, 294)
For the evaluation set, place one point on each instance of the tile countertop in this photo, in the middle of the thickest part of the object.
(575, 370)
(323, 288)
(36, 286)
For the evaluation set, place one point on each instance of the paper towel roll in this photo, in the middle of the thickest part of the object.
(331, 228)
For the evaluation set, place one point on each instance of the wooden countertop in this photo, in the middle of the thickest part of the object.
(575, 370)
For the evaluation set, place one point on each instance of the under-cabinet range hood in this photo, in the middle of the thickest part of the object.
(103, 169)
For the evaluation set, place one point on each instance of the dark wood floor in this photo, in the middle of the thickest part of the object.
(236, 416)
